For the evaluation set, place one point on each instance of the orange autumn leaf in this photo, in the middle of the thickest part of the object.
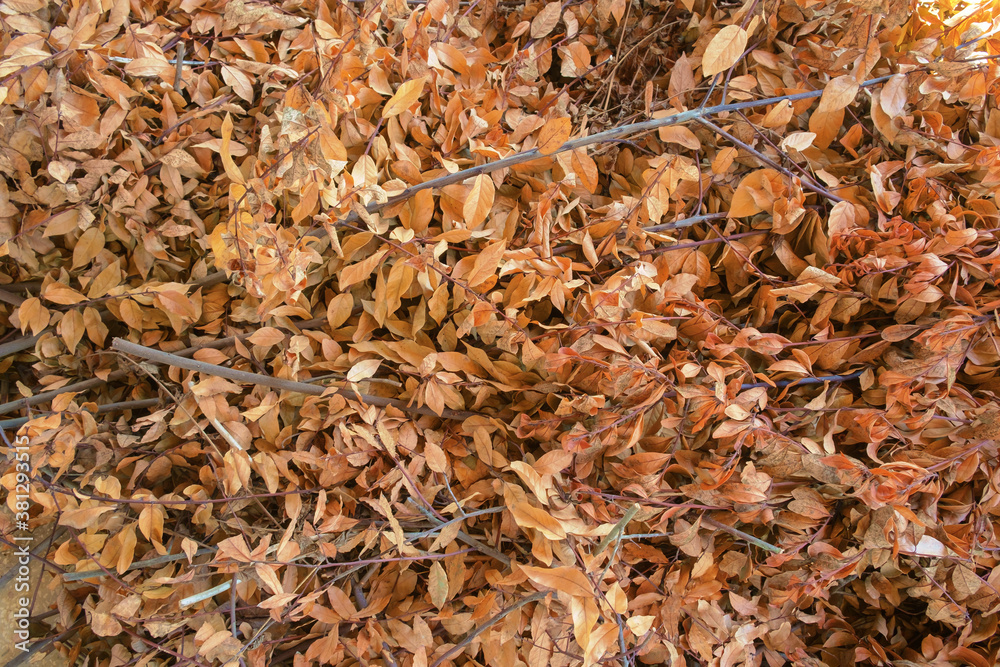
(554, 134)
(567, 580)
(837, 94)
(404, 97)
(479, 201)
(295, 322)
(527, 516)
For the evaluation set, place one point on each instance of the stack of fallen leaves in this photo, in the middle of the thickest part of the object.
(409, 333)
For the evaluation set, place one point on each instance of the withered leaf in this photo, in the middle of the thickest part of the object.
(724, 50)
(528, 516)
(408, 93)
(308, 312)
(568, 580)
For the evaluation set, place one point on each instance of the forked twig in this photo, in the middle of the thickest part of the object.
(807, 181)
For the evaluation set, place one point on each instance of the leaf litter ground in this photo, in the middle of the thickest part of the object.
(492, 332)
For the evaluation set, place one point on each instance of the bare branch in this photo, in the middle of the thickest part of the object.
(168, 359)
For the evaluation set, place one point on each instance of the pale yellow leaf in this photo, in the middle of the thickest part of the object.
(640, 625)
(893, 98)
(131, 314)
(552, 462)
(678, 134)
(127, 553)
(105, 281)
(617, 598)
(241, 84)
(798, 141)
(232, 171)
(363, 370)
(826, 126)
(62, 294)
(585, 169)
(339, 310)
(151, 522)
(62, 223)
(71, 328)
(88, 246)
(486, 263)
(724, 160)
(149, 67)
(176, 303)
(840, 92)
(744, 203)
(724, 50)
(267, 336)
(437, 585)
(83, 517)
(546, 20)
(33, 314)
(355, 273)
(437, 460)
(479, 201)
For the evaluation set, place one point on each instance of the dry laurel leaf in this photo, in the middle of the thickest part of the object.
(479, 201)
(546, 20)
(839, 93)
(406, 95)
(724, 50)
(568, 580)
(554, 134)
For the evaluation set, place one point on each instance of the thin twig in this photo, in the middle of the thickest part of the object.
(210, 593)
(439, 527)
(159, 560)
(18, 422)
(805, 180)
(168, 359)
(84, 385)
(19, 345)
(684, 222)
(172, 61)
(169, 502)
(12, 299)
(812, 380)
(612, 134)
(465, 537)
(179, 74)
(735, 532)
(460, 646)
(677, 224)
(616, 531)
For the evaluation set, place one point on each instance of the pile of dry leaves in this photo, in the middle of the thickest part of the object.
(501, 332)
